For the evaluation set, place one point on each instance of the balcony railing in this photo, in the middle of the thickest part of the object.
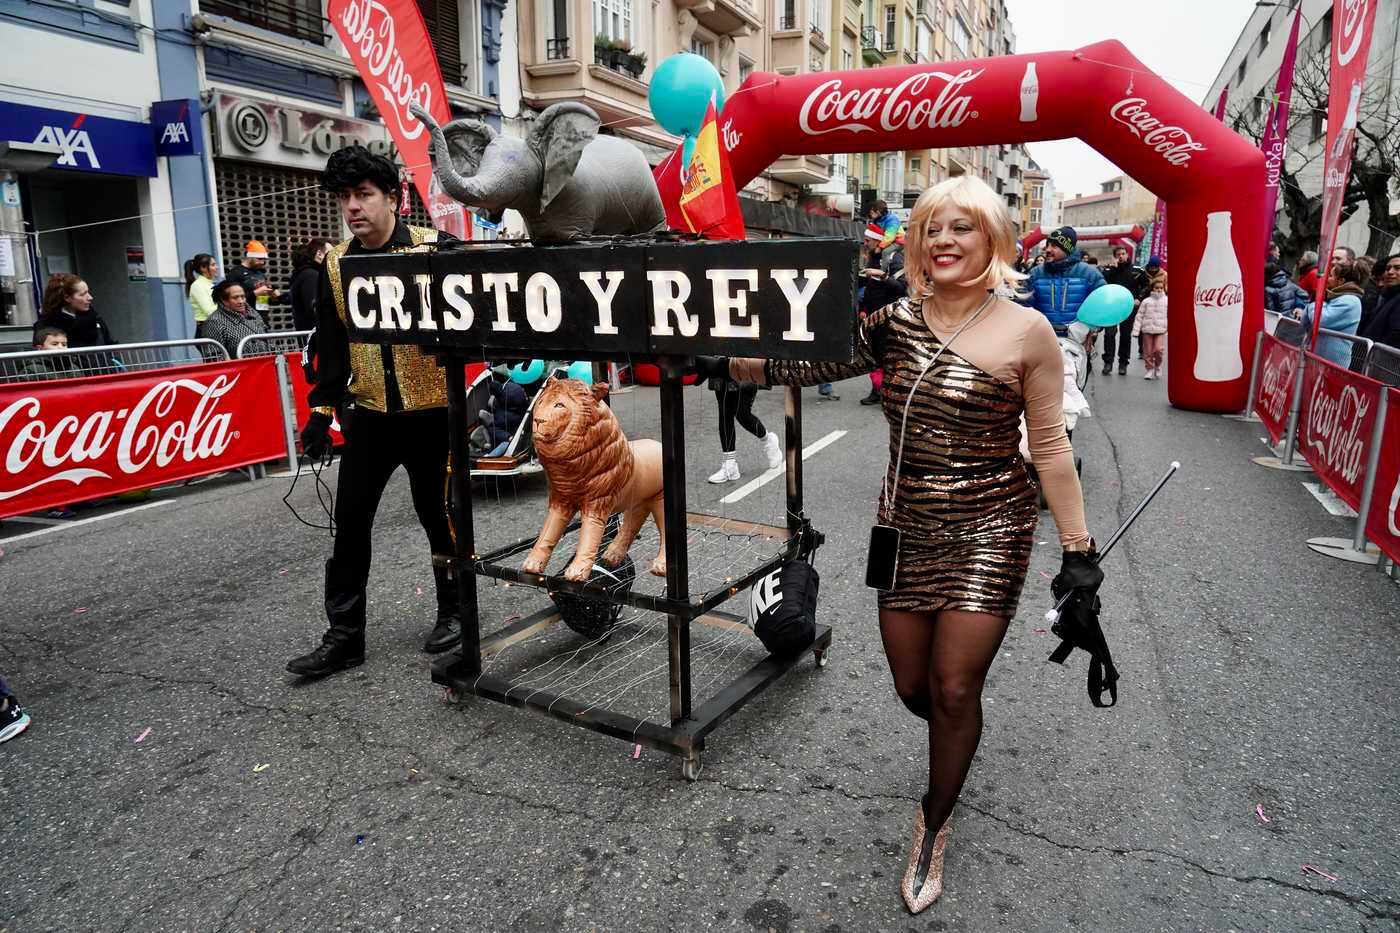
(556, 49)
(300, 19)
(787, 23)
(620, 60)
(869, 37)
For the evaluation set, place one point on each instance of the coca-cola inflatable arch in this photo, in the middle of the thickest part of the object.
(1128, 236)
(1211, 178)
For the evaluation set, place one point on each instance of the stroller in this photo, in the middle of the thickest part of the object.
(1077, 365)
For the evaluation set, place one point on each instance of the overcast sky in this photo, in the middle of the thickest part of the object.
(1183, 41)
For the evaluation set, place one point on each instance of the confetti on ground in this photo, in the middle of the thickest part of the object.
(282, 572)
(514, 618)
(1259, 812)
(636, 752)
(1038, 631)
(261, 768)
(142, 737)
(418, 590)
(1045, 575)
(359, 840)
(1318, 871)
(78, 612)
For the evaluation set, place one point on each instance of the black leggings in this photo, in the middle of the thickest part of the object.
(737, 405)
(1123, 342)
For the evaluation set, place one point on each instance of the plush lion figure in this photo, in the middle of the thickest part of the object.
(592, 469)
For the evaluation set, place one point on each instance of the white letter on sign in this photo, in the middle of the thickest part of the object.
(425, 301)
(542, 308)
(503, 283)
(669, 290)
(604, 298)
(390, 290)
(798, 299)
(728, 304)
(359, 284)
(458, 313)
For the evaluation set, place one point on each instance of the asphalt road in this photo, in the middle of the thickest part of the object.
(1256, 674)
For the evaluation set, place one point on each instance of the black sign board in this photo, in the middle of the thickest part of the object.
(780, 299)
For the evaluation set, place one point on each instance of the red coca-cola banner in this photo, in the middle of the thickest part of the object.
(1334, 427)
(1210, 177)
(1383, 521)
(77, 439)
(1278, 367)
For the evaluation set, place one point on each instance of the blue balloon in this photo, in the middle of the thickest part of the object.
(680, 93)
(581, 370)
(687, 150)
(527, 373)
(1106, 306)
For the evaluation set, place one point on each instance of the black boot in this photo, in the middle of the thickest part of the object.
(343, 645)
(872, 399)
(447, 633)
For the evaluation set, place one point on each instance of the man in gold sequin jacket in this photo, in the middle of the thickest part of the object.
(399, 419)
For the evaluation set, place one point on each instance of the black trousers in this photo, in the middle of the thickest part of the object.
(737, 405)
(1123, 342)
(377, 445)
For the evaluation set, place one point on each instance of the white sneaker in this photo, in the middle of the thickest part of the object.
(727, 473)
(1148, 375)
(774, 450)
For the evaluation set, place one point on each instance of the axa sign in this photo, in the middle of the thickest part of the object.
(86, 143)
(176, 127)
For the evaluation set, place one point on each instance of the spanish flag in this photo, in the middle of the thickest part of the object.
(708, 201)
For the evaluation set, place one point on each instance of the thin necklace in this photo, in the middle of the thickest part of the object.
(926, 305)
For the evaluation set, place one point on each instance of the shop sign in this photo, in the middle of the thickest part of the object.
(264, 131)
(86, 143)
(177, 127)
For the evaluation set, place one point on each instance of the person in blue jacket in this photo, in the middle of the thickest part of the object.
(1340, 313)
(1059, 287)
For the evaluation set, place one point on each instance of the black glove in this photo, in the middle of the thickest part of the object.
(1078, 625)
(712, 367)
(316, 436)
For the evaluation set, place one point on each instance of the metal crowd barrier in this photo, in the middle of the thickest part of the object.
(1383, 365)
(281, 341)
(1291, 331)
(277, 344)
(16, 338)
(43, 365)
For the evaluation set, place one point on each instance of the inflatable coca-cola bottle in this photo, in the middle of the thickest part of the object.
(1219, 305)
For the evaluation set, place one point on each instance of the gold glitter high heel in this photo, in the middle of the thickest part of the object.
(923, 877)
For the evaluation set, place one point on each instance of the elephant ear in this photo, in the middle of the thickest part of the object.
(558, 139)
(466, 141)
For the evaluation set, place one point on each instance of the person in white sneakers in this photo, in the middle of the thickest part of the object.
(1151, 323)
(736, 404)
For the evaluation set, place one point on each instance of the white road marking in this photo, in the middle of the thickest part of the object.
(1330, 500)
(85, 521)
(770, 475)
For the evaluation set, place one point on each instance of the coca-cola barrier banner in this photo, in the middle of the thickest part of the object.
(76, 439)
(1100, 94)
(1383, 520)
(1335, 424)
(1278, 365)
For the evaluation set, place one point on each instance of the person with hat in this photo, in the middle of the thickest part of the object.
(251, 273)
(1136, 281)
(1057, 288)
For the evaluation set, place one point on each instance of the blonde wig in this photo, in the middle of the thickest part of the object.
(990, 215)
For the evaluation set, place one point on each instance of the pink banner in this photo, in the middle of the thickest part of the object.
(1351, 48)
(1278, 365)
(1334, 427)
(1220, 104)
(1159, 232)
(76, 439)
(1275, 144)
(1383, 520)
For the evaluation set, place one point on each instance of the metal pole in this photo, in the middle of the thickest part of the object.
(1290, 437)
(289, 412)
(1368, 486)
(792, 412)
(677, 554)
(20, 281)
(1254, 377)
(460, 496)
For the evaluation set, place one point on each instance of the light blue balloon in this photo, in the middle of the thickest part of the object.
(687, 150)
(680, 93)
(527, 373)
(581, 370)
(1106, 306)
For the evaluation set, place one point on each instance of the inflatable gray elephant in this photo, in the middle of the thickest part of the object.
(565, 180)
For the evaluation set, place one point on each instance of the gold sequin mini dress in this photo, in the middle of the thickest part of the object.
(965, 504)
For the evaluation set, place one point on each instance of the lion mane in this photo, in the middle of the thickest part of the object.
(590, 462)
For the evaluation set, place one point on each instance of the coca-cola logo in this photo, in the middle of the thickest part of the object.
(1276, 384)
(732, 136)
(1334, 428)
(1349, 40)
(1171, 142)
(1221, 296)
(370, 29)
(889, 109)
(144, 434)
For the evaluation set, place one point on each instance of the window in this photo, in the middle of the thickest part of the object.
(818, 17)
(1319, 126)
(613, 18)
(440, 16)
(848, 60)
(1239, 74)
(925, 43)
(701, 45)
(1324, 30)
(1037, 192)
(300, 19)
(908, 37)
(556, 43)
(1258, 107)
(1264, 35)
(916, 165)
(957, 34)
(787, 14)
(890, 22)
(891, 178)
(839, 169)
(745, 69)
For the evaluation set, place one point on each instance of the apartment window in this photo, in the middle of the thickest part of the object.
(1264, 36)
(1239, 75)
(916, 165)
(1037, 192)
(925, 43)
(839, 167)
(1324, 30)
(958, 34)
(848, 60)
(1319, 126)
(613, 18)
(556, 43)
(444, 30)
(300, 19)
(1258, 107)
(891, 178)
(787, 14)
(908, 37)
(818, 17)
(890, 23)
(745, 69)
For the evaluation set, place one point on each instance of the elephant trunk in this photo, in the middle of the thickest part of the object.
(460, 187)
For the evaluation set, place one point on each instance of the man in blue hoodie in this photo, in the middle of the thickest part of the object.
(1059, 286)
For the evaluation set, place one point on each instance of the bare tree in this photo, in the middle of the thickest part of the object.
(1373, 167)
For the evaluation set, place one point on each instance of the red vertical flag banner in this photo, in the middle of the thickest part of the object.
(389, 44)
(1351, 48)
(1220, 104)
(1383, 522)
(1159, 232)
(1275, 144)
(708, 201)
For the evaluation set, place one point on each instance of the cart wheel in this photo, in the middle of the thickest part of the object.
(451, 696)
(690, 767)
(819, 655)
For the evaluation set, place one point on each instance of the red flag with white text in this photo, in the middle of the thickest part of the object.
(708, 201)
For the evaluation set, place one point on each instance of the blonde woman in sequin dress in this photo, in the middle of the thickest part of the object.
(963, 501)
